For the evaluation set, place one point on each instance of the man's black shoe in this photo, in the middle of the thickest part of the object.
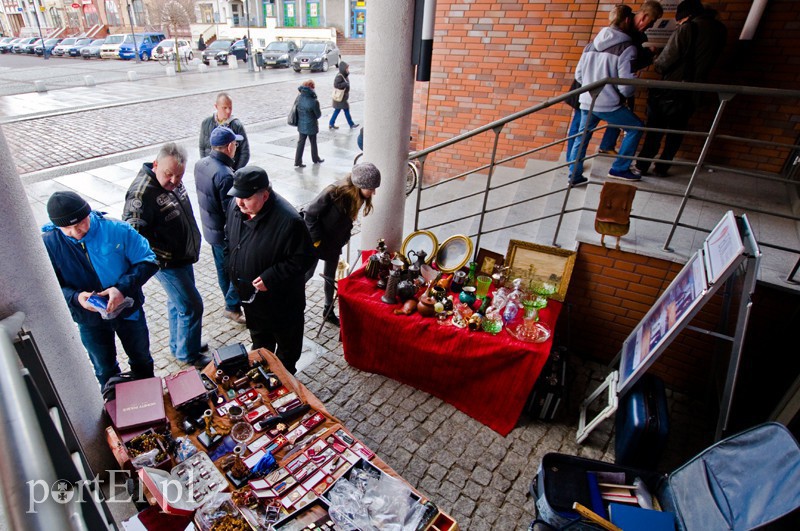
(331, 317)
(200, 361)
(204, 346)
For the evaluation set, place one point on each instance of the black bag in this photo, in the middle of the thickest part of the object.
(572, 101)
(292, 118)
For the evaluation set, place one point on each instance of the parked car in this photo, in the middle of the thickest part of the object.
(279, 53)
(166, 48)
(316, 55)
(74, 50)
(93, 49)
(4, 42)
(217, 47)
(145, 42)
(30, 48)
(110, 48)
(48, 45)
(238, 50)
(23, 42)
(61, 49)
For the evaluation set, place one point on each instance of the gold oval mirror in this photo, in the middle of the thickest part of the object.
(454, 253)
(421, 240)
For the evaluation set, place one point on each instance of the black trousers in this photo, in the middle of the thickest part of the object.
(329, 270)
(652, 139)
(301, 146)
(285, 339)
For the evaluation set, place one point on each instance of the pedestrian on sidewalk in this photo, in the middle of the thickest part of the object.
(270, 250)
(213, 176)
(610, 54)
(342, 82)
(223, 111)
(308, 114)
(330, 218)
(201, 43)
(157, 206)
(92, 254)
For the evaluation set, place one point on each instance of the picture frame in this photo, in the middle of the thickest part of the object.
(541, 263)
(487, 260)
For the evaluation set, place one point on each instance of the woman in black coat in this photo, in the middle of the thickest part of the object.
(330, 219)
(308, 113)
(342, 82)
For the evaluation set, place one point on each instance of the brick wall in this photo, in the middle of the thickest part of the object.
(611, 291)
(496, 57)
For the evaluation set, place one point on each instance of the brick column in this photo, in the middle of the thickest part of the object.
(387, 115)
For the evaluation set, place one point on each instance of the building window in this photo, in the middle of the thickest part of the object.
(55, 17)
(112, 14)
(90, 15)
(138, 13)
(72, 18)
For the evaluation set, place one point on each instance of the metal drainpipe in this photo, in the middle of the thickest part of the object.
(753, 18)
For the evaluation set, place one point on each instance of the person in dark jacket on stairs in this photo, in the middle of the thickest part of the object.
(342, 82)
(308, 112)
(330, 219)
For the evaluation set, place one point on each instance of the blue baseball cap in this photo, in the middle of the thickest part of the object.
(222, 136)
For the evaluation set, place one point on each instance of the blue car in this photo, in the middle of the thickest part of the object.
(48, 46)
(74, 50)
(145, 43)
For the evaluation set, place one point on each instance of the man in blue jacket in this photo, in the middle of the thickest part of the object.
(92, 254)
(213, 177)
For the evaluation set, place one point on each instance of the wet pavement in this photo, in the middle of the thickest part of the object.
(467, 469)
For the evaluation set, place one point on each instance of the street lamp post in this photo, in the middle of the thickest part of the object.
(38, 25)
(250, 67)
(133, 34)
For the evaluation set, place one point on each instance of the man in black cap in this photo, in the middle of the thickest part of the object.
(213, 177)
(689, 55)
(92, 255)
(157, 206)
(270, 250)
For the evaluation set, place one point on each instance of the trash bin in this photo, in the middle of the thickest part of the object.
(259, 60)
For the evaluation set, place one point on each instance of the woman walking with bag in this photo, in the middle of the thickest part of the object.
(308, 113)
(330, 219)
(341, 83)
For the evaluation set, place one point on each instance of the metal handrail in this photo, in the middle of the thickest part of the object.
(725, 93)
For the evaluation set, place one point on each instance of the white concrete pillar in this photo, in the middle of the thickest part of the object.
(132, 75)
(387, 116)
(40, 86)
(29, 285)
(89, 81)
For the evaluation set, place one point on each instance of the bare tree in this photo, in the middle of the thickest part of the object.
(176, 14)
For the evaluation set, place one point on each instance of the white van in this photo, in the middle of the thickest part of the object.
(110, 48)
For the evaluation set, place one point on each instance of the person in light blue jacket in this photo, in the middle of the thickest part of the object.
(610, 55)
(92, 254)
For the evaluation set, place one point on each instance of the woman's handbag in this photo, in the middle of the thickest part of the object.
(292, 118)
(338, 94)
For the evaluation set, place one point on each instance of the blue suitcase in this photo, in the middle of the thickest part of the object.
(642, 424)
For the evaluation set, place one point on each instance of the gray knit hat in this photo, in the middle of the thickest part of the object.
(366, 176)
(67, 208)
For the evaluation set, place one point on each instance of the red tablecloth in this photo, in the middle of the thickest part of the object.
(487, 377)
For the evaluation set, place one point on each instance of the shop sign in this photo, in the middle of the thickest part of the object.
(76, 5)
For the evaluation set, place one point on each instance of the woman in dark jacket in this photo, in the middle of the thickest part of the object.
(342, 81)
(307, 115)
(330, 219)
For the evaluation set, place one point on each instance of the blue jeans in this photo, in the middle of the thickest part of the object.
(346, 115)
(185, 311)
(622, 116)
(99, 343)
(607, 143)
(232, 301)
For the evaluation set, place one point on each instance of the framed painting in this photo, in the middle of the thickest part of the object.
(487, 261)
(540, 263)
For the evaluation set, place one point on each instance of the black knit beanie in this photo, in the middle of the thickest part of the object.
(67, 208)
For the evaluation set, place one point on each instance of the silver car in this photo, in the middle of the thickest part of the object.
(316, 56)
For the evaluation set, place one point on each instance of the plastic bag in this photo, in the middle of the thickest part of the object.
(186, 449)
(374, 502)
(101, 303)
(146, 459)
(218, 507)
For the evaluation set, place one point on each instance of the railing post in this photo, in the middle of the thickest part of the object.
(724, 98)
(584, 135)
(497, 130)
(419, 189)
